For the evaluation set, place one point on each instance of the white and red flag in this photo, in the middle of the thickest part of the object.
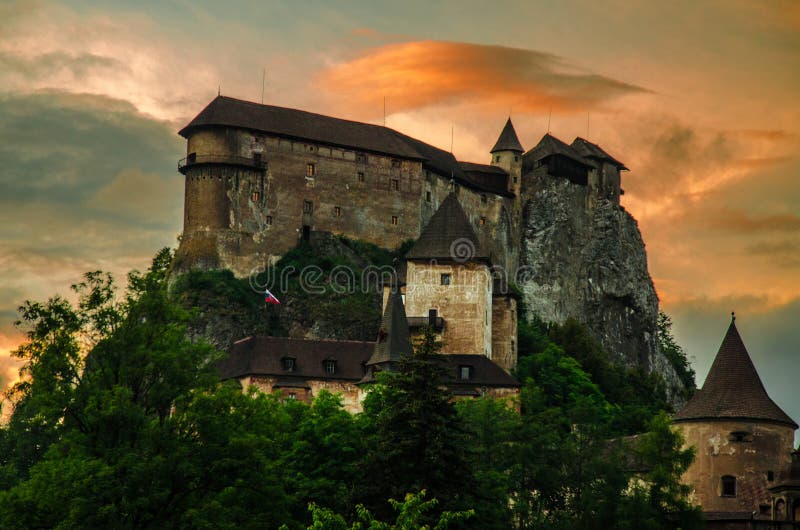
(270, 298)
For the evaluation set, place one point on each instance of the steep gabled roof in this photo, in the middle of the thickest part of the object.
(733, 389)
(394, 340)
(589, 150)
(508, 140)
(549, 145)
(485, 177)
(448, 236)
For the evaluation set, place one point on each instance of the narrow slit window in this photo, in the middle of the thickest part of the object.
(337, 211)
(311, 170)
(394, 220)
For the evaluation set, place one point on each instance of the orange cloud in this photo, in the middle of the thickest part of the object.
(423, 73)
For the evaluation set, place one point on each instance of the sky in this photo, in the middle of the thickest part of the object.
(700, 99)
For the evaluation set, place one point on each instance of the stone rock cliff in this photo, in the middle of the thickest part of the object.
(589, 263)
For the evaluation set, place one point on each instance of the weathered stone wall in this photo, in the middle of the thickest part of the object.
(365, 196)
(352, 395)
(766, 447)
(504, 332)
(465, 304)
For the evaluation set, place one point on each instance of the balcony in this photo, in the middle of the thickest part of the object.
(419, 322)
(194, 159)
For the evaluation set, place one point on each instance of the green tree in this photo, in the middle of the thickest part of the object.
(417, 438)
(675, 354)
(411, 516)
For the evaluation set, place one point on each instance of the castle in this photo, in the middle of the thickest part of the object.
(260, 178)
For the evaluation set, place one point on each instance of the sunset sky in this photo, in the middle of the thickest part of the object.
(700, 99)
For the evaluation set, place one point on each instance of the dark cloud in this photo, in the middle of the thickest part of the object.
(39, 67)
(56, 147)
(88, 183)
(423, 73)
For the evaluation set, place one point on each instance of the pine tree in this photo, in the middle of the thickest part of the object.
(418, 440)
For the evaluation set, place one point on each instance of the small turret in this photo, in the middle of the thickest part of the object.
(507, 154)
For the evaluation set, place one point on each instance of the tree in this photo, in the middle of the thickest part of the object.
(411, 516)
(417, 439)
(675, 354)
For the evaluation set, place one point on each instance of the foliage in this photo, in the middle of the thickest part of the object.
(411, 514)
(416, 438)
(675, 354)
(120, 422)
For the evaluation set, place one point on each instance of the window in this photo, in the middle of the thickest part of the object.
(445, 279)
(770, 476)
(361, 158)
(288, 364)
(257, 159)
(394, 184)
(513, 346)
(395, 162)
(337, 211)
(465, 372)
(256, 196)
(394, 220)
(310, 147)
(330, 366)
(496, 158)
(268, 220)
(360, 176)
(308, 206)
(516, 158)
(311, 170)
(191, 158)
(292, 395)
(740, 436)
(427, 196)
(515, 180)
(482, 221)
(728, 486)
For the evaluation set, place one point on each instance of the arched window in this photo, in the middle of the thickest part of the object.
(728, 486)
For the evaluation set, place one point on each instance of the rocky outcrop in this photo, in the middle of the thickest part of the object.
(589, 263)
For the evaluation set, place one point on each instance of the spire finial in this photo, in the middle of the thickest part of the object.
(733, 316)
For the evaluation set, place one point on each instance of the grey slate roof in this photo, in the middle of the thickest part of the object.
(448, 236)
(393, 341)
(550, 145)
(262, 355)
(299, 124)
(589, 150)
(733, 389)
(485, 177)
(508, 140)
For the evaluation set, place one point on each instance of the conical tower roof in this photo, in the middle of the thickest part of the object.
(508, 140)
(733, 389)
(448, 236)
(394, 340)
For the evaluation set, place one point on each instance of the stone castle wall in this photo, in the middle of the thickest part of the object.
(762, 449)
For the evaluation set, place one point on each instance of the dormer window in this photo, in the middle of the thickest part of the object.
(465, 372)
(728, 486)
(329, 365)
(288, 364)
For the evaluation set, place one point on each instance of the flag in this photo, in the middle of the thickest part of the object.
(270, 298)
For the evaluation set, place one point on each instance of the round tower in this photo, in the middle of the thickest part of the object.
(742, 438)
(507, 154)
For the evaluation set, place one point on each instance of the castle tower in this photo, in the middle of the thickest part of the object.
(448, 276)
(743, 439)
(604, 178)
(394, 341)
(507, 154)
